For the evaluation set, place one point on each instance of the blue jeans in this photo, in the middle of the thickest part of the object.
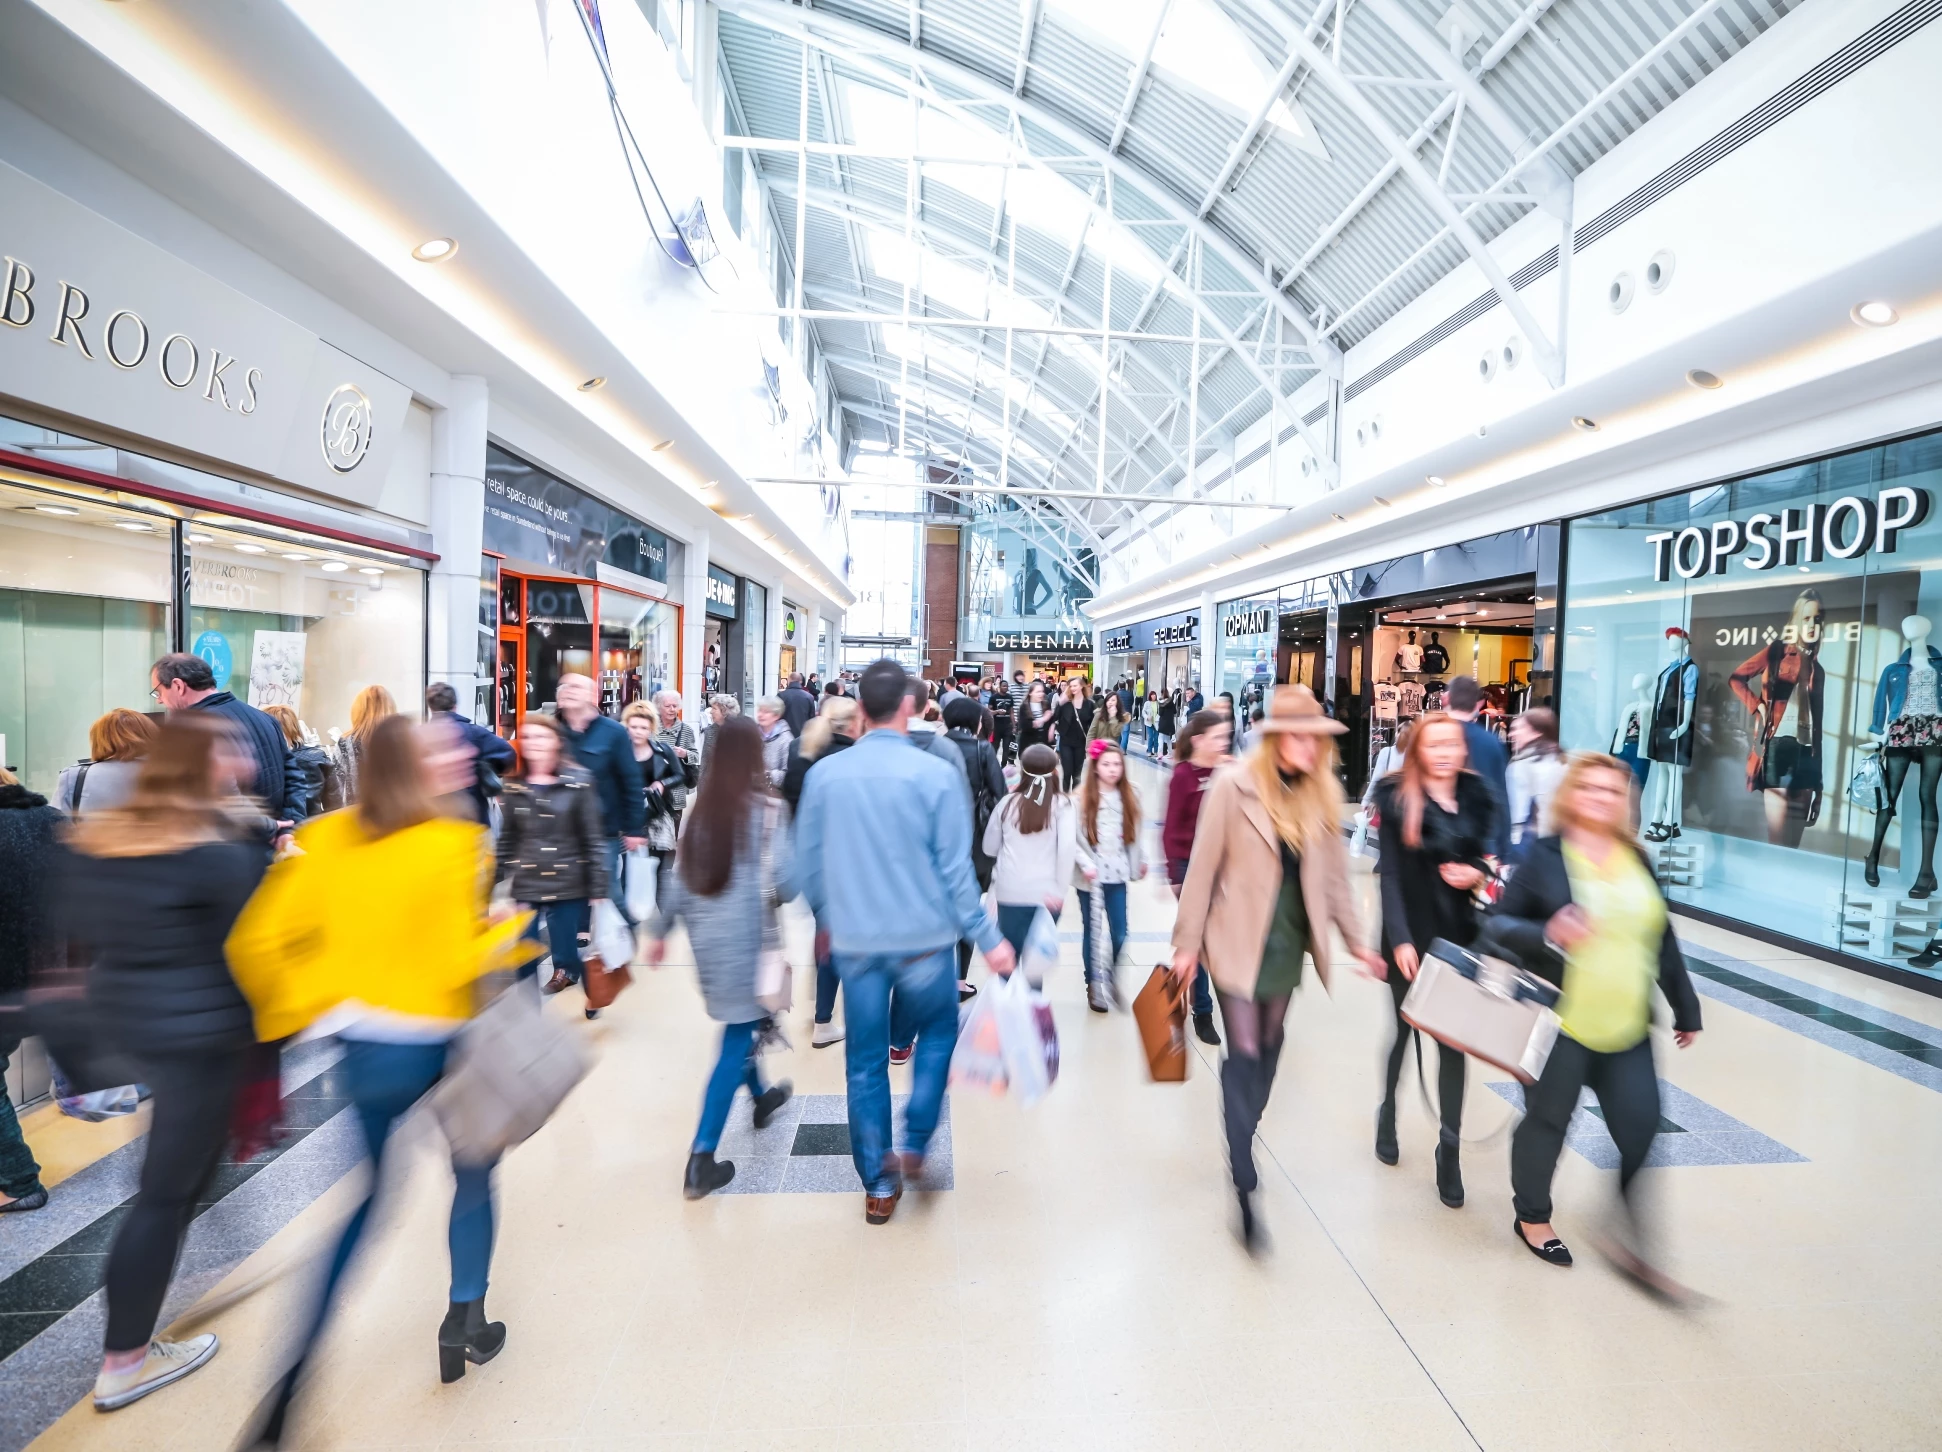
(1152, 740)
(385, 1081)
(1124, 732)
(1115, 894)
(1015, 922)
(615, 851)
(19, 1174)
(734, 1068)
(926, 991)
(826, 984)
(561, 924)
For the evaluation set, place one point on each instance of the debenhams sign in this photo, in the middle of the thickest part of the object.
(104, 327)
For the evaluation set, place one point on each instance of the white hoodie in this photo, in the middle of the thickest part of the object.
(1031, 867)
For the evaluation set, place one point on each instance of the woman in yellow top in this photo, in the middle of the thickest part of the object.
(1584, 912)
(376, 931)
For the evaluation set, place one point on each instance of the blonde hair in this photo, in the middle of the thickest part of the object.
(287, 719)
(1563, 817)
(1306, 809)
(174, 805)
(120, 735)
(371, 706)
(634, 709)
(838, 712)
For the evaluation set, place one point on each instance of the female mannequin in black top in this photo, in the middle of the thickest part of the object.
(1438, 820)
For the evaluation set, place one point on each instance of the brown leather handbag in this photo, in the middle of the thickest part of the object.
(603, 984)
(1160, 1010)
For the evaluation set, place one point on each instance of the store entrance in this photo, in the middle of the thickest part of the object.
(549, 627)
(1301, 648)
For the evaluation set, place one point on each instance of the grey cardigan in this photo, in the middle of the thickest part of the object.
(729, 930)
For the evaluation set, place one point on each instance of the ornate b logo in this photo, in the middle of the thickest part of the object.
(347, 428)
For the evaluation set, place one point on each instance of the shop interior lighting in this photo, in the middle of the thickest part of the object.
(135, 526)
(197, 537)
(56, 509)
(293, 555)
(1874, 314)
(251, 549)
(599, 380)
(1700, 378)
(369, 570)
(1581, 422)
(435, 249)
(335, 567)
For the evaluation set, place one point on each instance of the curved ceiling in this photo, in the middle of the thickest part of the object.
(1238, 189)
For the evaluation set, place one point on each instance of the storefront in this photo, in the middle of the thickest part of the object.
(1158, 655)
(791, 653)
(1056, 654)
(1762, 654)
(723, 654)
(571, 585)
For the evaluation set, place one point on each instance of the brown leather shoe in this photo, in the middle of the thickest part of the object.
(877, 1209)
(558, 983)
(911, 1165)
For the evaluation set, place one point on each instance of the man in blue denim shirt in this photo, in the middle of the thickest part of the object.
(880, 857)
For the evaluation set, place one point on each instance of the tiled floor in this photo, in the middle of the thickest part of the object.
(1078, 1286)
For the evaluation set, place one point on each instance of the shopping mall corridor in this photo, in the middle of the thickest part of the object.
(1078, 1284)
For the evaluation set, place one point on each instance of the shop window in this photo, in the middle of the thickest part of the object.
(638, 641)
(559, 636)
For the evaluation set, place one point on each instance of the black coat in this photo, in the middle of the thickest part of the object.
(987, 791)
(279, 782)
(798, 706)
(1030, 734)
(1537, 889)
(28, 848)
(799, 765)
(1418, 906)
(159, 980)
(553, 844)
(1071, 731)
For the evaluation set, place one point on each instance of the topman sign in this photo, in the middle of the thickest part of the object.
(1850, 527)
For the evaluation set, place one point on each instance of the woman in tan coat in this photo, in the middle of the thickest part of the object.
(1267, 881)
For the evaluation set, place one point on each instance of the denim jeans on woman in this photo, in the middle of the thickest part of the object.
(557, 926)
(926, 992)
(734, 1067)
(19, 1174)
(1115, 895)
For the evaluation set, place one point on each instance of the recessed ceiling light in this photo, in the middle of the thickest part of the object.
(1700, 378)
(1581, 422)
(598, 381)
(1483, 612)
(1383, 502)
(435, 249)
(1873, 314)
(134, 526)
(1333, 515)
(294, 556)
(250, 549)
(1436, 479)
(56, 509)
(369, 570)
(335, 567)
(1442, 617)
(668, 444)
(197, 537)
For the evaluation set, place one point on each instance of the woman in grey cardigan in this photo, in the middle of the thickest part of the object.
(728, 870)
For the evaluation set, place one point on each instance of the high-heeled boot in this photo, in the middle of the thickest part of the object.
(465, 1335)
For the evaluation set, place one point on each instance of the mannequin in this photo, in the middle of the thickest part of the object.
(1670, 741)
(1409, 656)
(1907, 728)
(1436, 660)
(1631, 725)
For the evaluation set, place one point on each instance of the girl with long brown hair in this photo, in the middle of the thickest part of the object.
(148, 894)
(731, 872)
(1032, 842)
(1438, 821)
(1109, 857)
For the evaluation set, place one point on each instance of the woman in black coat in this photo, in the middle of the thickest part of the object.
(176, 864)
(553, 846)
(1069, 732)
(27, 853)
(1584, 912)
(1437, 822)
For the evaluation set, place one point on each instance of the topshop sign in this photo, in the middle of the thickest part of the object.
(1849, 528)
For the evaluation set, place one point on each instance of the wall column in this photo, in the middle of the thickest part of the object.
(1209, 647)
(771, 683)
(458, 525)
(694, 615)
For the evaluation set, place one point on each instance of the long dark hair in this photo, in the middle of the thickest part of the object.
(732, 777)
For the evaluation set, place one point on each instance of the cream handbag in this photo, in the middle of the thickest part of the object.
(1484, 1007)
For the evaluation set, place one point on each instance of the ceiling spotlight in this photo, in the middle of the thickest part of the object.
(56, 509)
(1483, 612)
(1383, 502)
(668, 444)
(1581, 422)
(436, 249)
(250, 549)
(1873, 314)
(1333, 515)
(335, 567)
(195, 536)
(1436, 479)
(1700, 378)
(1442, 617)
(369, 570)
(294, 556)
(598, 381)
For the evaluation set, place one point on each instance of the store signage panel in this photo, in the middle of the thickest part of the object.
(101, 325)
(724, 593)
(1250, 620)
(1118, 640)
(1070, 641)
(1850, 527)
(1181, 629)
(531, 515)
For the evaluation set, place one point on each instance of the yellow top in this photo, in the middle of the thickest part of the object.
(1607, 1000)
(397, 923)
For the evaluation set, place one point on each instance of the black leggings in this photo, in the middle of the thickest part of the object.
(1895, 761)
(1627, 1086)
(1072, 756)
(191, 1096)
(1449, 1070)
(1254, 1039)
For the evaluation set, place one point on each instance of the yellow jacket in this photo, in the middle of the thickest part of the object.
(397, 923)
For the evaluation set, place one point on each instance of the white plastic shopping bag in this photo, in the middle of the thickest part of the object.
(613, 940)
(1027, 1036)
(637, 869)
(1041, 953)
(978, 1061)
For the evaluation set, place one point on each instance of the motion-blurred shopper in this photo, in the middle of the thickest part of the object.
(27, 857)
(833, 730)
(1489, 759)
(881, 859)
(732, 869)
(1108, 723)
(1069, 729)
(183, 682)
(1165, 720)
(798, 704)
(1584, 911)
(777, 738)
(1266, 885)
(370, 706)
(679, 737)
(312, 760)
(1032, 839)
(1003, 705)
(969, 727)
(1438, 823)
(148, 894)
(1035, 716)
(603, 747)
(492, 754)
(117, 742)
(1108, 856)
(1536, 768)
(661, 777)
(552, 851)
(1199, 749)
(376, 930)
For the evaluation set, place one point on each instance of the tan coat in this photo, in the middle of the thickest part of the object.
(1234, 879)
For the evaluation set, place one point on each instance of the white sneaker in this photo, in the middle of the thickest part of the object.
(825, 1035)
(166, 1361)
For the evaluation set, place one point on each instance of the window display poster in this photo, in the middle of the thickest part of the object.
(276, 668)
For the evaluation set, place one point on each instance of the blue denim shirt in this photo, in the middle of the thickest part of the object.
(1892, 693)
(881, 851)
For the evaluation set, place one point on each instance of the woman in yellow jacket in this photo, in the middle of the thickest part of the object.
(376, 930)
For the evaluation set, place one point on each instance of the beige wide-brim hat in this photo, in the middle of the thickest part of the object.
(1295, 709)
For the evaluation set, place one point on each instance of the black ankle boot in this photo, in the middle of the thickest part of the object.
(1449, 1179)
(465, 1335)
(769, 1101)
(1871, 870)
(1386, 1149)
(706, 1174)
(1253, 1238)
(1204, 1029)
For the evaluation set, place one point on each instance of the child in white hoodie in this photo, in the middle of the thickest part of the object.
(1032, 840)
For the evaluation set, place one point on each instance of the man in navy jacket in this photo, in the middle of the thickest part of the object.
(602, 745)
(184, 682)
(488, 747)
